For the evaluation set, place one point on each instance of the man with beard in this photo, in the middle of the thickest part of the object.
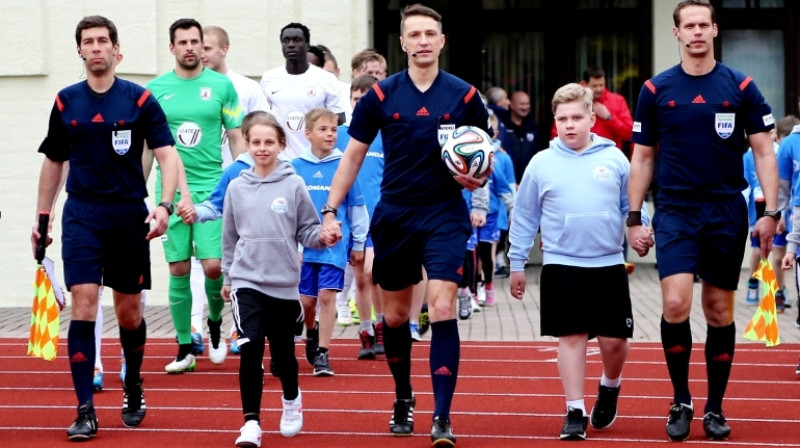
(198, 102)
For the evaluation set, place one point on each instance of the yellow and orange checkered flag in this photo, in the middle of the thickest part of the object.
(764, 324)
(43, 340)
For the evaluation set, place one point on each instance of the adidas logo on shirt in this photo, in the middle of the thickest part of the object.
(318, 175)
(698, 100)
(423, 112)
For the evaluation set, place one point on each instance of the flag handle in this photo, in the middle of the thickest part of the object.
(41, 243)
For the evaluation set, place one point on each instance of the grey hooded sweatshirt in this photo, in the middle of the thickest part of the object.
(263, 220)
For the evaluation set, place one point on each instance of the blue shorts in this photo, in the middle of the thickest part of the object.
(106, 244)
(317, 276)
(408, 238)
(702, 237)
(472, 242)
(779, 240)
(489, 232)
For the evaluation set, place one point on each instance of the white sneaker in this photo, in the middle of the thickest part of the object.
(187, 364)
(250, 434)
(464, 306)
(475, 307)
(481, 295)
(292, 418)
(217, 355)
(344, 318)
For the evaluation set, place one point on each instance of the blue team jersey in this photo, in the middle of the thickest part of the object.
(318, 176)
(371, 172)
(409, 120)
(102, 136)
(789, 164)
(699, 124)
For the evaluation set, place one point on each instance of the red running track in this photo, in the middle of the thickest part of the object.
(508, 394)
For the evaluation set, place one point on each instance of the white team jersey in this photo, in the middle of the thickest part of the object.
(291, 96)
(251, 98)
(345, 95)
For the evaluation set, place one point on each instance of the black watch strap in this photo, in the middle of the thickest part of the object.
(167, 205)
(774, 214)
(328, 209)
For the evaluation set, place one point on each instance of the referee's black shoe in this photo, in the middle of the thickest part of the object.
(442, 434)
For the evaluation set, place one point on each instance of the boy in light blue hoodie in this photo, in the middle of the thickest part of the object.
(576, 192)
(322, 275)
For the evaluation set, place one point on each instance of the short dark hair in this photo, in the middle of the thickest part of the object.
(676, 14)
(184, 24)
(313, 49)
(96, 22)
(299, 26)
(418, 9)
(593, 72)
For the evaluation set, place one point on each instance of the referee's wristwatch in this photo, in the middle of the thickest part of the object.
(774, 214)
(328, 209)
(167, 205)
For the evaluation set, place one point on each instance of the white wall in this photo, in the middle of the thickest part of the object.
(40, 58)
(665, 48)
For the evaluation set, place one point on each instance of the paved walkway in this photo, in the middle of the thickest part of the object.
(509, 320)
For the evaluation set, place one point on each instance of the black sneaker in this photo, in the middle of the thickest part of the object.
(133, 406)
(321, 366)
(678, 422)
(312, 344)
(715, 426)
(797, 322)
(402, 422)
(367, 350)
(442, 434)
(604, 411)
(85, 426)
(575, 424)
(379, 348)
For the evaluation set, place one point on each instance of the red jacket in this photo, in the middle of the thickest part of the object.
(619, 128)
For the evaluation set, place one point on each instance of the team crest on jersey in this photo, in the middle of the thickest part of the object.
(189, 134)
(311, 91)
(121, 141)
(724, 124)
(601, 173)
(295, 121)
(530, 136)
(279, 206)
(205, 93)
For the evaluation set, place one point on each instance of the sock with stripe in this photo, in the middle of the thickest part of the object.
(397, 342)
(720, 343)
(444, 359)
(133, 342)
(81, 349)
(677, 342)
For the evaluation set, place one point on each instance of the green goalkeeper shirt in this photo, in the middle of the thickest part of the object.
(197, 109)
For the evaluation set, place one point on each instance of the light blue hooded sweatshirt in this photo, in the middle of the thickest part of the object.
(579, 200)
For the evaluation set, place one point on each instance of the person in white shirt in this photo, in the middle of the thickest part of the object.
(297, 87)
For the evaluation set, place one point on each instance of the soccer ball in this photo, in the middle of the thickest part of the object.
(468, 152)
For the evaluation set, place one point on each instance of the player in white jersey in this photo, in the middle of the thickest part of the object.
(297, 87)
(216, 43)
